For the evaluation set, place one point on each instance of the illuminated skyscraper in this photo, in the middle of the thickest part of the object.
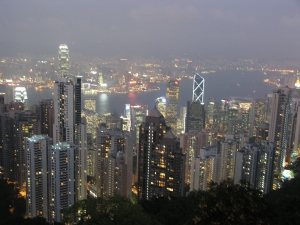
(195, 116)
(160, 161)
(278, 130)
(198, 88)
(20, 95)
(37, 176)
(172, 104)
(63, 61)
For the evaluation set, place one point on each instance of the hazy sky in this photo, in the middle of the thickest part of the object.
(265, 29)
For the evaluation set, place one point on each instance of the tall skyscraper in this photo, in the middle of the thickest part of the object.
(37, 176)
(160, 161)
(198, 88)
(62, 179)
(257, 115)
(172, 104)
(63, 61)
(278, 129)
(195, 116)
(67, 109)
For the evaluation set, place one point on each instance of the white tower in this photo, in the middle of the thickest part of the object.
(198, 88)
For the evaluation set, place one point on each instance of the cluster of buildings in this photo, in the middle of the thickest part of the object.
(61, 151)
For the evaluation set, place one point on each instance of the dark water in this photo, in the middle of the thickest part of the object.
(220, 85)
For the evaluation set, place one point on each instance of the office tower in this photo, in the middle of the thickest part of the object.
(223, 119)
(161, 162)
(211, 114)
(63, 61)
(113, 161)
(195, 112)
(160, 104)
(204, 168)
(62, 179)
(191, 143)
(20, 95)
(90, 104)
(228, 149)
(195, 117)
(255, 165)
(45, 117)
(172, 104)
(67, 109)
(198, 88)
(257, 114)
(278, 129)
(37, 176)
(181, 121)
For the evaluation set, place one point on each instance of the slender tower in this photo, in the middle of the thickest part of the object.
(63, 61)
(172, 104)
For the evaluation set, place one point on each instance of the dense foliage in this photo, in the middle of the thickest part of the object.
(224, 203)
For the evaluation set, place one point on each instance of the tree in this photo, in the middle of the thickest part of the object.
(116, 209)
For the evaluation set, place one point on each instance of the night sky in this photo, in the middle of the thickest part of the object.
(263, 29)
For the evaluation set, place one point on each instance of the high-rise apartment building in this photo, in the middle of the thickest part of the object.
(67, 109)
(172, 104)
(191, 143)
(37, 150)
(255, 165)
(278, 128)
(160, 161)
(113, 161)
(204, 168)
(63, 61)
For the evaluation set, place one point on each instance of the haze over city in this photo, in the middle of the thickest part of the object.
(149, 112)
(267, 30)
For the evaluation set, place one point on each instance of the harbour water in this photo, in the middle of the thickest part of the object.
(220, 85)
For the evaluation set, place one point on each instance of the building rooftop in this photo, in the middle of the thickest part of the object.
(154, 113)
(169, 134)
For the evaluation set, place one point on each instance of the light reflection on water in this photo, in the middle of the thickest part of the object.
(221, 85)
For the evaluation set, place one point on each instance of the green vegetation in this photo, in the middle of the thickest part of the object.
(224, 203)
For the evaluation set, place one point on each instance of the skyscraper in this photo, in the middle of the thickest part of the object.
(278, 129)
(37, 176)
(62, 179)
(172, 104)
(160, 161)
(67, 109)
(195, 116)
(63, 61)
